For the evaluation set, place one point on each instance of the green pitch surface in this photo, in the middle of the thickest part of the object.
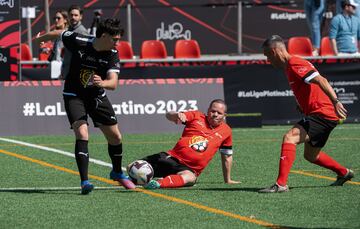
(39, 188)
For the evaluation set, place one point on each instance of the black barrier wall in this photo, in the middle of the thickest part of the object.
(263, 89)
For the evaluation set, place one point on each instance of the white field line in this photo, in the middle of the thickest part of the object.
(95, 161)
(52, 188)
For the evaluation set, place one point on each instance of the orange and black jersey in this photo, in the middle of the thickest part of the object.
(85, 62)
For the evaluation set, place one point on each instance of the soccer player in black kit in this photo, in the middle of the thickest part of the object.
(94, 68)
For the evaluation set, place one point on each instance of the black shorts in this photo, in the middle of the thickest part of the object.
(318, 129)
(99, 109)
(165, 165)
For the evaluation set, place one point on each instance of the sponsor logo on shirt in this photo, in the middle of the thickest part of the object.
(198, 143)
(81, 53)
(302, 70)
(200, 123)
(103, 61)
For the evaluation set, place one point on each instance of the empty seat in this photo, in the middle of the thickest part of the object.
(326, 48)
(125, 50)
(25, 52)
(153, 49)
(187, 49)
(301, 46)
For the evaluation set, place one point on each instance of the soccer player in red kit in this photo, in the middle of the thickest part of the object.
(321, 107)
(202, 137)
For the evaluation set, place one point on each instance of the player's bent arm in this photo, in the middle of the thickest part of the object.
(171, 116)
(52, 35)
(176, 117)
(329, 91)
(110, 83)
(226, 161)
(325, 86)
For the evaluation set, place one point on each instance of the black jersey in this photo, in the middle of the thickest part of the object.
(85, 62)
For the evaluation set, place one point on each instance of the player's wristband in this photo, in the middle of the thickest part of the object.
(336, 101)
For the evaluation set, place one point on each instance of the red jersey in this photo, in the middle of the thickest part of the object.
(199, 142)
(310, 97)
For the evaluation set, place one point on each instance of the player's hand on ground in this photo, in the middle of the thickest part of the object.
(97, 81)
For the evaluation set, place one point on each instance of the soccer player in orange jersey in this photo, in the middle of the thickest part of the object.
(321, 107)
(202, 137)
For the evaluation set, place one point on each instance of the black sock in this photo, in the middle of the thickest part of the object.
(115, 153)
(82, 158)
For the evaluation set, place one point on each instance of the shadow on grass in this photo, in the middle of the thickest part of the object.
(68, 190)
(289, 227)
(253, 189)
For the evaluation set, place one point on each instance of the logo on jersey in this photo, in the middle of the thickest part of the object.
(200, 123)
(85, 76)
(81, 53)
(198, 143)
(68, 33)
(101, 61)
(302, 70)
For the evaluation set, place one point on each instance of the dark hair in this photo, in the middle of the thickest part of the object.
(76, 7)
(109, 26)
(221, 101)
(272, 40)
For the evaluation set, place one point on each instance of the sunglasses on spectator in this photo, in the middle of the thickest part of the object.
(57, 18)
(115, 39)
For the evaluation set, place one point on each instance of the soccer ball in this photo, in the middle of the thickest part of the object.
(140, 171)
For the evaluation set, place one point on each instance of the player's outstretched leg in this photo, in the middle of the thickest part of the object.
(153, 184)
(122, 179)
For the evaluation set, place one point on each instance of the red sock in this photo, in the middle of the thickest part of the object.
(172, 181)
(326, 161)
(288, 155)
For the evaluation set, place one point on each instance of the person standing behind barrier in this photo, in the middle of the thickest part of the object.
(322, 109)
(75, 16)
(314, 10)
(345, 30)
(339, 8)
(94, 67)
(61, 23)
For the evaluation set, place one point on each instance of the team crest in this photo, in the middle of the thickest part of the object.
(198, 143)
(85, 76)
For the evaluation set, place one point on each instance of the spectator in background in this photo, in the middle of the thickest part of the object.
(345, 30)
(339, 8)
(314, 10)
(75, 16)
(97, 17)
(61, 23)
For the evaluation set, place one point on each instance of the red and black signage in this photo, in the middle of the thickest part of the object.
(9, 39)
